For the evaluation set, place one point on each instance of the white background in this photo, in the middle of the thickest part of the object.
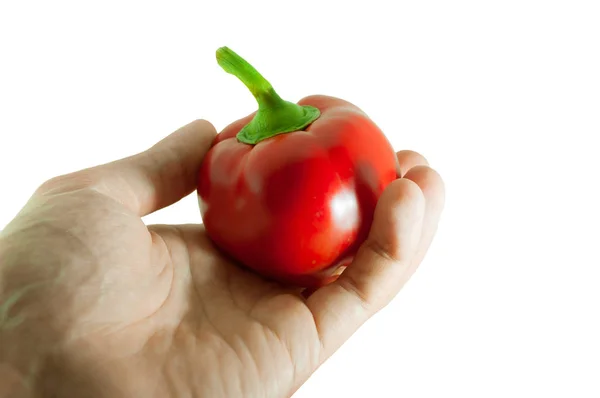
(502, 97)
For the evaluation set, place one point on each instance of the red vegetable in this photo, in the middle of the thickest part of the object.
(290, 191)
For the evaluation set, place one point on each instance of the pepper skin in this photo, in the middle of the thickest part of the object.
(294, 206)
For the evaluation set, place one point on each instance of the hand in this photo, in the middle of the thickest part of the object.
(94, 303)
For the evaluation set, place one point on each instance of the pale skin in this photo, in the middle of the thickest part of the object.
(94, 303)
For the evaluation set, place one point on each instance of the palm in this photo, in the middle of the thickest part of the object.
(158, 294)
(263, 334)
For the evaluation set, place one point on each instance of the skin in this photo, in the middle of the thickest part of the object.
(94, 303)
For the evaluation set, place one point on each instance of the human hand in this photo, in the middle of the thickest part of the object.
(94, 303)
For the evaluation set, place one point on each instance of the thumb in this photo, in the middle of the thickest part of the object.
(150, 180)
(167, 172)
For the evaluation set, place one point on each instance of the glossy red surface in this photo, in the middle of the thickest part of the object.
(296, 206)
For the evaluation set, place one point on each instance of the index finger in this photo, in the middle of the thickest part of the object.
(378, 271)
(405, 222)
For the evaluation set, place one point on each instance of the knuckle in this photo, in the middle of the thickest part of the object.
(385, 250)
(69, 182)
(353, 287)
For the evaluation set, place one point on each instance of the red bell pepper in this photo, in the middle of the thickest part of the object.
(290, 190)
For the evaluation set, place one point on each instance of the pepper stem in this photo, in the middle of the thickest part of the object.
(275, 115)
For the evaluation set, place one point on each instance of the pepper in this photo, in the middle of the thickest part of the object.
(290, 190)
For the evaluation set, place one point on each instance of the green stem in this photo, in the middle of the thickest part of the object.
(275, 115)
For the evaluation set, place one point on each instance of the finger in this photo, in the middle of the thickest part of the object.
(379, 269)
(409, 159)
(166, 172)
(151, 180)
(432, 185)
(433, 188)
